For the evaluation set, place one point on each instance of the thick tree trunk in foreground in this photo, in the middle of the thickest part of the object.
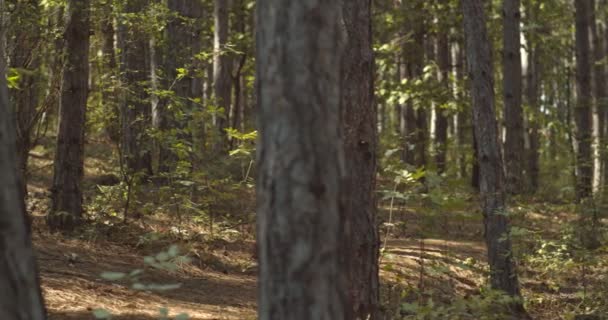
(503, 275)
(300, 161)
(20, 297)
(582, 113)
(222, 70)
(360, 140)
(66, 207)
(514, 119)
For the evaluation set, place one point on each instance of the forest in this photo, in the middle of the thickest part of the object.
(304, 159)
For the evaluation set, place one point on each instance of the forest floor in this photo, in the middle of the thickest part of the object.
(434, 253)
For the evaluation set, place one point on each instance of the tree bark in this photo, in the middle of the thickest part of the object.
(503, 274)
(533, 94)
(183, 45)
(222, 70)
(359, 131)
(582, 114)
(512, 75)
(441, 120)
(24, 52)
(135, 111)
(20, 297)
(66, 198)
(599, 106)
(300, 158)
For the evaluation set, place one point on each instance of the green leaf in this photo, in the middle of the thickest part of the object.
(102, 314)
(182, 316)
(173, 251)
(113, 276)
(162, 256)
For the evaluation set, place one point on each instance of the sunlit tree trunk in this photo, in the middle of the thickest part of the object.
(503, 274)
(582, 113)
(66, 192)
(599, 77)
(441, 119)
(512, 75)
(20, 296)
(359, 131)
(222, 70)
(300, 159)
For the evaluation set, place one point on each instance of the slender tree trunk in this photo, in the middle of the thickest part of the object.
(110, 69)
(603, 105)
(300, 160)
(135, 111)
(25, 41)
(441, 119)
(462, 117)
(183, 45)
(222, 70)
(582, 114)
(66, 207)
(20, 297)
(503, 274)
(599, 77)
(533, 94)
(414, 147)
(359, 132)
(512, 75)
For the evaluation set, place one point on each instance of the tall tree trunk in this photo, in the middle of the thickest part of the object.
(25, 41)
(222, 70)
(512, 75)
(20, 296)
(603, 105)
(359, 130)
(503, 274)
(66, 204)
(441, 120)
(135, 111)
(300, 160)
(582, 114)
(599, 78)
(463, 116)
(110, 68)
(183, 45)
(533, 94)
(414, 146)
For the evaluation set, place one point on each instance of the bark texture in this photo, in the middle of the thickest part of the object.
(66, 192)
(441, 119)
(183, 45)
(359, 130)
(584, 102)
(599, 79)
(512, 74)
(300, 157)
(20, 297)
(24, 37)
(135, 110)
(222, 69)
(533, 94)
(503, 275)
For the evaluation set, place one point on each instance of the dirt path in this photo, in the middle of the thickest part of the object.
(70, 273)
